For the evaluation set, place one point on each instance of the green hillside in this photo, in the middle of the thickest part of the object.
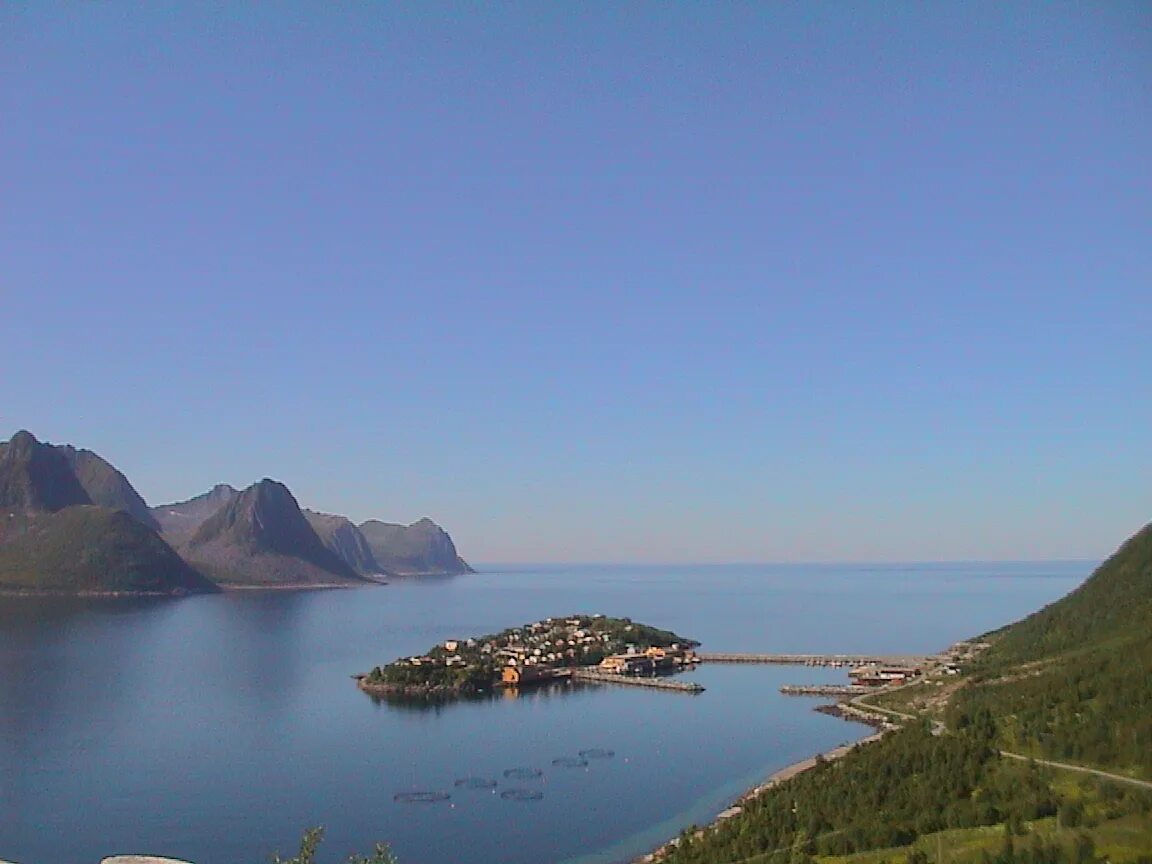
(1073, 682)
(93, 549)
(1113, 607)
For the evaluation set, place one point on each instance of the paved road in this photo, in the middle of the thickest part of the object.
(1119, 778)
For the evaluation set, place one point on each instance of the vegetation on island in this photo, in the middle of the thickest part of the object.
(466, 666)
(1070, 683)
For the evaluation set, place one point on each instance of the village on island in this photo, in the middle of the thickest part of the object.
(586, 647)
(598, 648)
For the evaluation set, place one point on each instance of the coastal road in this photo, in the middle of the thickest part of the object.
(1119, 778)
(938, 728)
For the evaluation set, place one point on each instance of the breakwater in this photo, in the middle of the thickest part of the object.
(837, 660)
(637, 681)
(838, 690)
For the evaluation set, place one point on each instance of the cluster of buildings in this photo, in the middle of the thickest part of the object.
(549, 649)
(876, 675)
(649, 661)
(552, 642)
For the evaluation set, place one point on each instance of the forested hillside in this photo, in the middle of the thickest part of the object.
(1113, 607)
(1073, 682)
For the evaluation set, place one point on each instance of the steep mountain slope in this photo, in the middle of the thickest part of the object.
(420, 549)
(54, 539)
(1114, 603)
(261, 538)
(1074, 680)
(105, 485)
(345, 539)
(36, 478)
(178, 521)
(89, 549)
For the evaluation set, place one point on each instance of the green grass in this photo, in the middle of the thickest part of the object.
(1105, 816)
(904, 699)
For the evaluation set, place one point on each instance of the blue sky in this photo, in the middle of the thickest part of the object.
(597, 282)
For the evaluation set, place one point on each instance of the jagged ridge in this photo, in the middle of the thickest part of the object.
(420, 549)
(344, 539)
(260, 537)
(106, 485)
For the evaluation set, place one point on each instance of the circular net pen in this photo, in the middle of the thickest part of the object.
(570, 762)
(420, 797)
(522, 795)
(475, 783)
(597, 753)
(523, 773)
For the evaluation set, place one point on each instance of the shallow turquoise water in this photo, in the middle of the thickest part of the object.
(217, 728)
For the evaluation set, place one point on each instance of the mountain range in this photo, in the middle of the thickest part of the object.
(71, 522)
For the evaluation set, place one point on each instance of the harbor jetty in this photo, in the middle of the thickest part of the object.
(659, 683)
(840, 691)
(835, 660)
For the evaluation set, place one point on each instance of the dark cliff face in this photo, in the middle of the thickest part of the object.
(54, 539)
(260, 537)
(105, 485)
(420, 549)
(346, 541)
(180, 520)
(36, 478)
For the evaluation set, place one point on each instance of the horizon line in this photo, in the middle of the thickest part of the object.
(798, 563)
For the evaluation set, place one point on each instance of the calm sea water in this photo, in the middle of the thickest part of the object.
(217, 728)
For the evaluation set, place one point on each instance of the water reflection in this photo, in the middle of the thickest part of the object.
(214, 729)
(438, 703)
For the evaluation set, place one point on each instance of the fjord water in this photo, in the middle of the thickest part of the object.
(217, 728)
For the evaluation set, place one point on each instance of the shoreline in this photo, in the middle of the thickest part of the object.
(843, 710)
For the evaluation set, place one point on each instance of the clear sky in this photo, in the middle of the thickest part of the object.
(596, 281)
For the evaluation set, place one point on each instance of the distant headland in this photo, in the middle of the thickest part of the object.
(72, 523)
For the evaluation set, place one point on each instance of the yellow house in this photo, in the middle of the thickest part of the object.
(513, 676)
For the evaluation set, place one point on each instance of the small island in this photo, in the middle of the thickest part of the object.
(538, 653)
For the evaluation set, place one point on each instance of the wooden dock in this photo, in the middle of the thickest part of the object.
(837, 660)
(636, 681)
